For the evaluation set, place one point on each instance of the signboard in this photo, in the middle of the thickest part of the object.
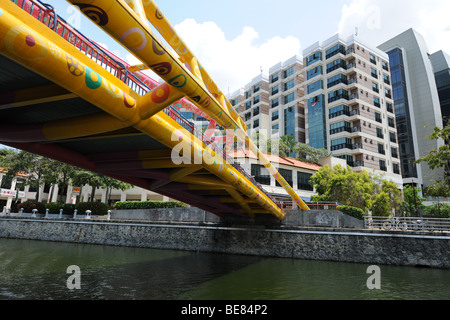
(11, 193)
(76, 189)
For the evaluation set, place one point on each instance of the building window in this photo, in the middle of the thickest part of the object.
(315, 86)
(383, 165)
(389, 107)
(275, 90)
(289, 121)
(275, 116)
(314, 72)
(392, 137)
(391, 123)
(256, 88)
(317, 122)
(340, 127)
(287, 175)
(256, 99)
(338, 94)
(289, 72)
(339, 48)
(289, 85)
(275, 102)
(339, 110)
(378, 117)
(394, 153)
(336, 64)
(261, 174)
(313, 58)
(395, 168)
(256, 123)
(341, 143)
(335, 80)
(380, 133)
(289, 98)
(381, 149)
(303, 181)
(387, 93)
(275, 77)
(375, 87)
(275, 128)
(373, 72)
(376, 102)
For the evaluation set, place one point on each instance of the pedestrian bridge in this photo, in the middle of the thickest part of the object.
(65, 97)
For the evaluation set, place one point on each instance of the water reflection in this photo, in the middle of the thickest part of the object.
(37, 270)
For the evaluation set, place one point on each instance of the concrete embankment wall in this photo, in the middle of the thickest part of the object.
(345, 245)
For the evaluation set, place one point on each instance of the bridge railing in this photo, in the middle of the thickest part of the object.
(407, 223)
(47, 15)
(316, 205)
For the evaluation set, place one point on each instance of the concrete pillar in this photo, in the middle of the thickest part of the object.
(123, 196)
(144, 195)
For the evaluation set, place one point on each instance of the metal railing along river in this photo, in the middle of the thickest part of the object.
(407, 223)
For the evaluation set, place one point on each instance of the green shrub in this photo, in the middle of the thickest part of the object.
(97, 208)
(124, 205)
(54, 207)
(29, 205)
(438, 210)
(352, 211)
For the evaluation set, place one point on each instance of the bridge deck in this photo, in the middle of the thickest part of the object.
(52, 114)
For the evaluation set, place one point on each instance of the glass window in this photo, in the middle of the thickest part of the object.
(286, 174)
(261, 174)
(314, 57)
(289, 121)
(315, 86)
(289, 98)
(289, 85)
(275, 115)
(303, 181)
(314, 72)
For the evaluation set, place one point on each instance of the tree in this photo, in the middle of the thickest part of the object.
(412, 202)
(381, 206)
(356, 189)
(83, 177)
(344, 185)
(38, 168)
(308, 153)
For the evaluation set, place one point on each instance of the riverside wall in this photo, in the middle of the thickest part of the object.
(312, 243)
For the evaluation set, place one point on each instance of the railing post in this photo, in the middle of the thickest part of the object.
(34, 213)
(109, 215)
(21, 211)
(60, 213)
(46, 213)
(88, 214)
(75, 213)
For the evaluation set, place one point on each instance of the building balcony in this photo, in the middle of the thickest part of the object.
(358, 163)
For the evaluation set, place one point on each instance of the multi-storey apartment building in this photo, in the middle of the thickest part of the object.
(417, 104)
(349, 105)
(273, 104)
(441, 66)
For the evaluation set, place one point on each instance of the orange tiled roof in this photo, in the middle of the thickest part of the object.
(277, 159)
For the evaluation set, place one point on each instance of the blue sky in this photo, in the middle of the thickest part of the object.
(234, 39)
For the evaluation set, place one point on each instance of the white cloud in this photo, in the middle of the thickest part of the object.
(380, 20)
(233, 63)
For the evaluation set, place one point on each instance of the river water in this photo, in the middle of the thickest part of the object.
(38, 270)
